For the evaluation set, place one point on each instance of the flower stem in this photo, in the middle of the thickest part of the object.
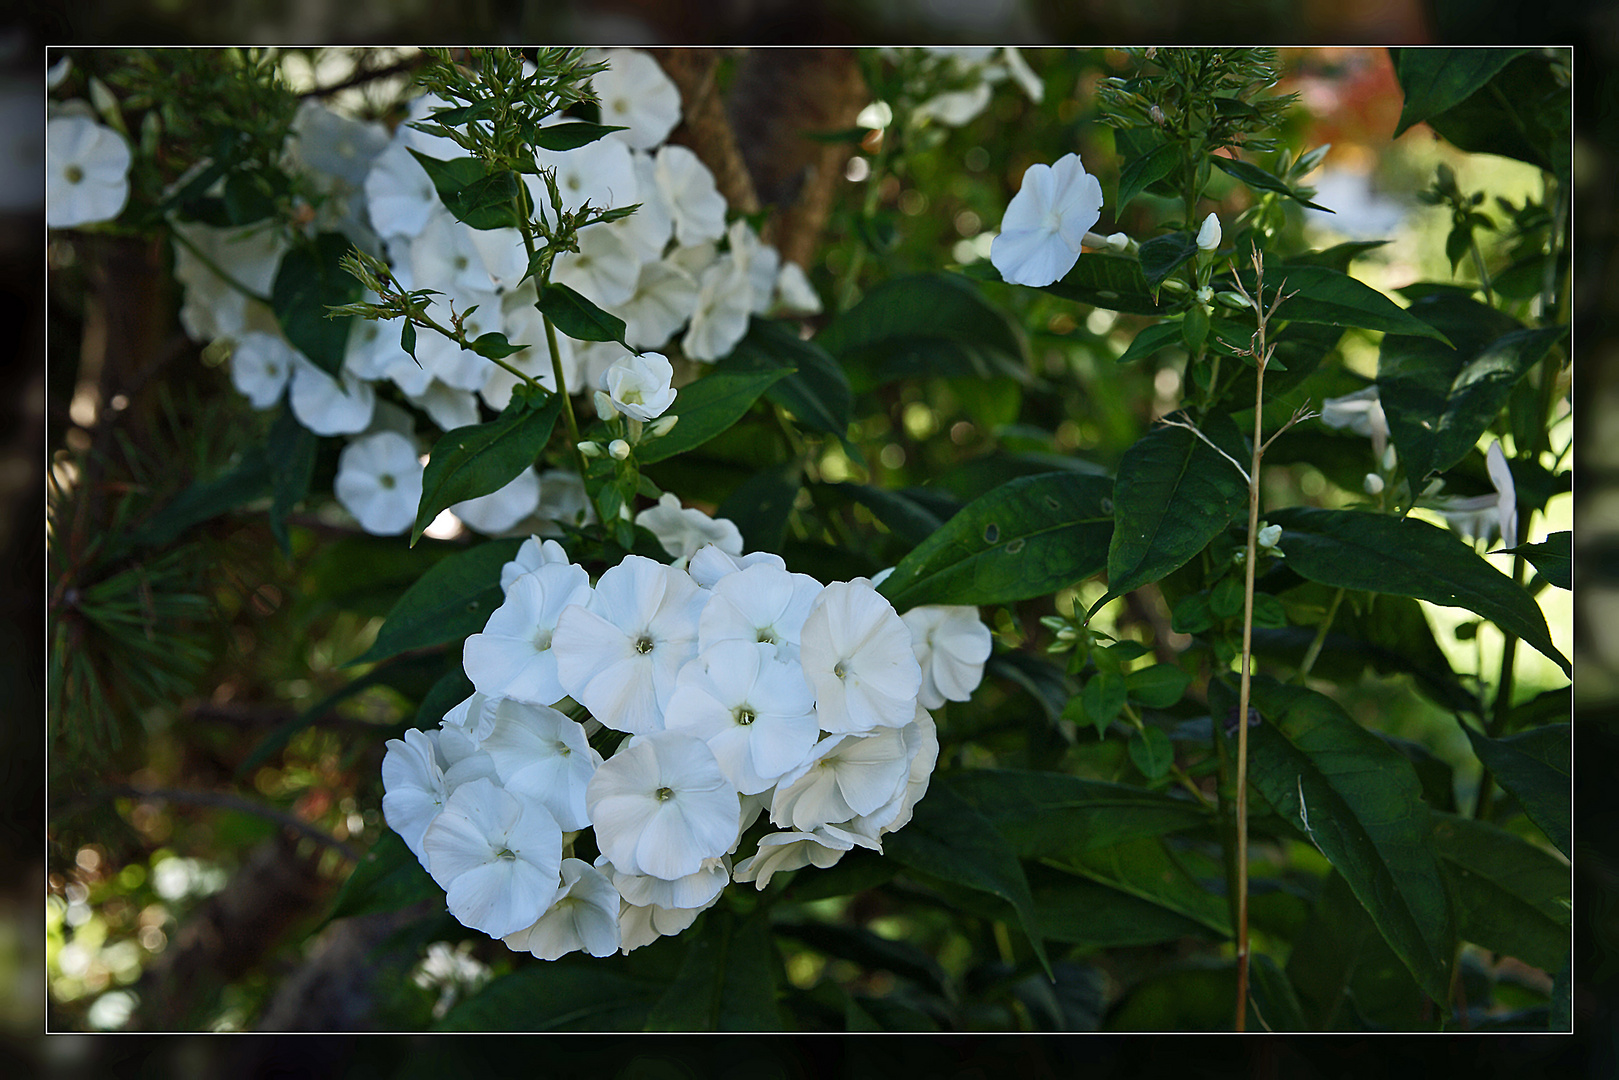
(214, 268)
(1320, 639)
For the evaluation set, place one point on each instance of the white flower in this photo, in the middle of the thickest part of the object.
(688, 189)
(474, 718)
(845, 776)
(684, 532)
(87, 172)
(398, 192)
(710, 564)
(637, 95)
(639, 385)
(780, 852)
(661, 806)
(533, 554)
(584, 917)
(951, 645)
(512, 657)
(1208, 236)
(260, 366)
(1372, 484)
(328, 142)
(1483, 517)
(857, 657)
(761, 603)
(755, 712)
(724, 302)
(1361, 413)
(696, 890)
(794, 292)
(563, 501)
(922, 751)
(498, 511)
(599, 173)
(664, 298)
(620, 655)
(498, 857)
(645, 923)
(251, 254)
(328, 406)
(650, 228)
(452, 257)
(373, 345)
(953, 108)
(755, 260)
(542, 754)
(605, 269)
(1022, 74)
(419, 772)
(1046, 221)
(446, 406)
(379, 481)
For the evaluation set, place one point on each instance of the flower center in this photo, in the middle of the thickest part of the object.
(562, 750)
(745, 715)
(505, 853)
(73, 174)
(664, 794)
(840, 670)
(542, 641)
(461, 262)
(386, 482)
(767, 636)
(643, 645)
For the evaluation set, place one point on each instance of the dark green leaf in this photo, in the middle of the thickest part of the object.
(1080, 911)
(1435, 80)
(1553, 557)
(588, 995)
(387, 879)
(207, 499)
(1146, 870)
(1360, 802)
(869, 950)
(1103, 699)
(495, 346)
(1150, 340)
(407, 339)
(483, 458)
(1535, 767)
(1025, 538)
(760, 506)
(948, 839)
(1158, 686)
(1353, 549)
(450, 601)
(1523, 112)
(1113, 282)
(1346, 975)
(1510, 896)
(707, 407)
(856, 872)
(727, 982)
(909, 519)
(291, 453)
(570, 135)
(452, 688)
(1051, 815)
(1260, 180)
(578, 317)
(308, 281)
(1173, 495)
(1152, 752)
(817, 392)
(1141, 172)
(1325, 296)
(925, 324)
(1162, 255)
(1272, 1005)
(478, 194)
(1339, 256)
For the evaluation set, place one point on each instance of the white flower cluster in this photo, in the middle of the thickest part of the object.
(661, 269)
(744, 690)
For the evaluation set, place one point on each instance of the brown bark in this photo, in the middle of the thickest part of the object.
(704, 127)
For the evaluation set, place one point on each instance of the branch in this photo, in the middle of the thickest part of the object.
(226, 801)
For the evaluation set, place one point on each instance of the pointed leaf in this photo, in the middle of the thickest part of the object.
(1158, 686)
(447, 603)
(1150, 340)
(477, 194)
(1152, 752)
(308, 281)
(1553, 557)
(291, 453)
(1026, 538)
(1360, 802)
(909, 520)
(1325, 296)
(1113, 282)
(482, 458)
(1260, 180)
(578, 317)
(1162, 255)
(1535, 766)
(389, 878)
(1081, 911)
(1173, 495)
(707, 407)
(1142, 172)
(1435, 80)
(570, 135)
(1145, 869)
(1346, 975)
(816, 391)
(1510, 896)
(1354, 549)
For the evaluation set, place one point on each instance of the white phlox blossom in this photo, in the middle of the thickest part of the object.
(1046, 222)
(652, 226)
(757, 261)
(563, 502)
(639, 385)
(754, 711)
(329, 406)
(921, 738)
(497, 856)
(583, 918)
(689, 191)
(418, 774)
(856, 654)
(251, 254)
(695, 890)
(541, 754)
(379, 481)
(661, 806)
(373, 346)
(341, 148)
(1360, 412)
(501, 509)
(533, 554)
(711, 563)
(474, 717)
(724, 304)
(86, 170)
(605, 269)
(780, 852)
(845, 776)
(1208, 235)
(683, 532)
(762, 603)
(399, 194)
(512, 657)
(446, 406)
(794, 293)
(664, 298)
(599, 173)
(260, 366)
(951, 645)
(1483, 517)
(636, 95)
(620, 654)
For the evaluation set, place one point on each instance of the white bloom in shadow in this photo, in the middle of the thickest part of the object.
(379, 481)
(857, 656)
(846, 776)
(329, 406)
(711, 563)
(497, 855)
(418, 774)
(951, 645)
(780, 852)
(1046, 221)
(684, 532)
(261, 366)
(661, 806)
(501, 509)
(584, 917)
(86, 170)
(637, 95)
(689, 191)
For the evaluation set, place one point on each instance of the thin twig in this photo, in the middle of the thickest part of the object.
(226, 801)
(1189, 426)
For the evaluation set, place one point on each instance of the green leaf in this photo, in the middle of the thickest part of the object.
(1553, 557)
(1141, 172)
(452, 688)
(407, 339)
(1354, 549)
(1339, 256)
(1026, 538)
(1113, 282)
(1360, 802)
(1524, 111)
(816, 391)
(1080, 911)
(1260, 180)
(249, 479)
(578, 317)
(1158, 686)
(590, 995)
(478, 195)
(908, 519)
(948, 839)
(1510, 896)
(760, 506)
(291, 453)
(1163, 255)
(1150, 340)
(1327, 297)
(1052, 815)
(1145, 869)
(727, 981)
(1102, 699)
(387, 879)
(482, 458)
(707, 407)
(1174, 493)
(1436, 80)
(1535, 767)
(450, 601)
(1346, 975)
(1152, 752)
(308, 281)
(494, 346)
(570, 135)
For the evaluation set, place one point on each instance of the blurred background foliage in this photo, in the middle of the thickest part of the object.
(253, 657)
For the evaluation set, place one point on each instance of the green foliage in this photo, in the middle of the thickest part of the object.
(706, 408)
(309, 281)
(483, 458)
(448, 602)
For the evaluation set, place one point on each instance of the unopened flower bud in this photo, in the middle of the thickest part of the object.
(1118, 241)
(604, 405)
(664, 426)
(1157, 115)
(1208, 237)
(1373, 484)
(1269, 535)
(619, 449)
(1389, 459)
(1067, 633)
(1232, 299)
(590, 449)
(1175, 285)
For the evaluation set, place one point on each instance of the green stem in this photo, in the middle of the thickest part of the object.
(1503, 703)
(868, 210)
(1478, 265)
(526, 227)
(218, 271)
(1314, 651)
